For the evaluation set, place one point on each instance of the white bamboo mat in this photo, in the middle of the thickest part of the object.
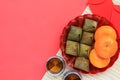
(112, 73)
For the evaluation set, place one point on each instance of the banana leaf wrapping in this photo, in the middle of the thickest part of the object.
(72, 48)
(89, 25)
(82, 63)
(75, 33)
(84, 50)
(87, 38)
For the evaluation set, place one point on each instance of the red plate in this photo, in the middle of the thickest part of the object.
(78, 21)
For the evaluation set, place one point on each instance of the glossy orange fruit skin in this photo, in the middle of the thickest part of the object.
(106, 47)
(105, 31)
(97, 61)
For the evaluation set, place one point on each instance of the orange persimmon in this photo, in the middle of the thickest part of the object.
(97, 61)
(106, 47)
(105, 31)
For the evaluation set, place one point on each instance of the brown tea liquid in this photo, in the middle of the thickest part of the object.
(72, 77)
(54, 65)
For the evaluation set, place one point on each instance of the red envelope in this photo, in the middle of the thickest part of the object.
(108, 9)
(115, 17)
(101, 7)
(30, 33)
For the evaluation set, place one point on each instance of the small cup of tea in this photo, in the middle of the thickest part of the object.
(72, 75)
(55, 65)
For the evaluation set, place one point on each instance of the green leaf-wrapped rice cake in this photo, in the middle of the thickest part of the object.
(72, 48)
(74, 33)
(82, 63)
(84, 50)
(90, 25)
(87, 38)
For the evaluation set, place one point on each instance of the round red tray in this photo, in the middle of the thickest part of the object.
(78, 21)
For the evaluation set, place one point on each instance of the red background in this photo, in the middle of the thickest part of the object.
(29, 33)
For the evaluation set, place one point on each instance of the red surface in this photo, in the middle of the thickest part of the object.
(78, 21)
(30, 33)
